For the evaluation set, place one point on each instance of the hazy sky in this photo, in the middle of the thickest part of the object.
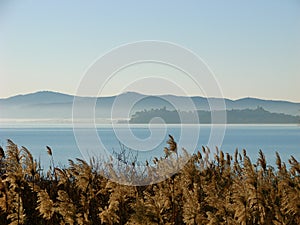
(253, 47)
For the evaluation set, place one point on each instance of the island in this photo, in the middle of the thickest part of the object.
(234, 116)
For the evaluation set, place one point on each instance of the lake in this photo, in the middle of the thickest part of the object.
(149, 142)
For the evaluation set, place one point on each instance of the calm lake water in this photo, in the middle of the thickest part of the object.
(270, 138)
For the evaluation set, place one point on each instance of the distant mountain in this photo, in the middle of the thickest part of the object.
(53, 105)
(42, 97)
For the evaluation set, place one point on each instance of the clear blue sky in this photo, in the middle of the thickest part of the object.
(253, 47)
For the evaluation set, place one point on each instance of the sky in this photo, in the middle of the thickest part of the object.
(252, 47)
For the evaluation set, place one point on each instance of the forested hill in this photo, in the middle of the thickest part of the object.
(235, 116)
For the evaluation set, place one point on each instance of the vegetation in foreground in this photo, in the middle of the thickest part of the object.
(207, 190)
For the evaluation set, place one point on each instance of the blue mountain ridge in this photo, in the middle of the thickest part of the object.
(49, 104)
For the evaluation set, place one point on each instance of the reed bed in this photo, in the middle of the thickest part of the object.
(219, 189)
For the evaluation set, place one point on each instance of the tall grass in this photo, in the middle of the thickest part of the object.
(223, 189)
